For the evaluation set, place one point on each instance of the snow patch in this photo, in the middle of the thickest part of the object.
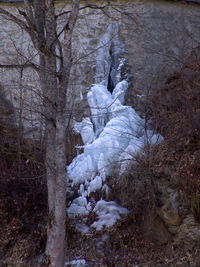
(76, 263)
(79, 207)
(82, 228)
(108, 213)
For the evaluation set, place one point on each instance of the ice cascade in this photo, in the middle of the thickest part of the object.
(112, 136)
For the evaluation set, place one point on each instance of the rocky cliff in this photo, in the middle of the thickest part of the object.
(156, 37)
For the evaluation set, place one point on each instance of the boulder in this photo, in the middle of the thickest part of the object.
(188, 235)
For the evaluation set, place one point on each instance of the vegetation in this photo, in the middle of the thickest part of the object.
(26, 212)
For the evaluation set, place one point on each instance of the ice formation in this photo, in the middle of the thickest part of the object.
(76, 263)
(113, 135)
(108, 213)
(79, 206)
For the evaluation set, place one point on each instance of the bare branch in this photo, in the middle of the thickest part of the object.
(21, 66)
(69, 27)
(28, 20)
(29, 11)
(18, 21)
(81, 8)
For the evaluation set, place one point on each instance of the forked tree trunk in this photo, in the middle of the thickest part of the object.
(55, 88)
(56, 154)
(41, 24)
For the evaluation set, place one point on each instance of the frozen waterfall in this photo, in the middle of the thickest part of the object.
(113, 134)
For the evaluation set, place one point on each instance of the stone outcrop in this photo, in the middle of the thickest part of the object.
(7, 111)
(157, 36)
(188, 235)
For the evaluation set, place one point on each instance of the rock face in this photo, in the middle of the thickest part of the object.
(169, 211)
(156, 36)
(7, 112)
(188, 235)
(154, 229)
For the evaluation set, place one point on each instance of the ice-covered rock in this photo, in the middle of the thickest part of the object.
(99, 100)
(79, 206)
(95, 185)
(108, 61)
(119, 91)
(108, 213)
(85, 128)
(82, 228)
(76, 263)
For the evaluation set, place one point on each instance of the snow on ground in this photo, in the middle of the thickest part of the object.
(79, 206)
(108, 213)
(76, 263)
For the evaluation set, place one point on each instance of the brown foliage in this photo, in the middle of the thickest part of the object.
(176, 106)
(23, 200)
(176, 109)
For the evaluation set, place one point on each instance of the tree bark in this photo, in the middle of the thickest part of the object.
(40, 23)
(56, 230)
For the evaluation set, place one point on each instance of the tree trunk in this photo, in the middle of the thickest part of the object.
(56, 226)
(57, 176)
(39, 21)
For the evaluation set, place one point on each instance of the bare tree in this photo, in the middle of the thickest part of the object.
(40, 20)
(55, 61)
